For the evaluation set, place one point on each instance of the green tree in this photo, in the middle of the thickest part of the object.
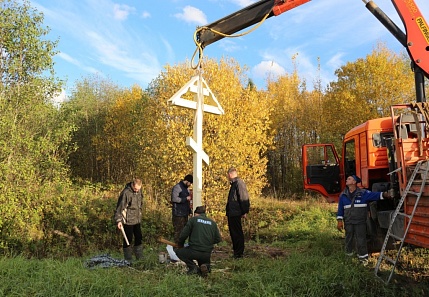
(33, 134)
(87, 109)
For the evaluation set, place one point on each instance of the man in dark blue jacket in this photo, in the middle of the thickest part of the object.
(353, 210)
(180, 199)
(237, 208)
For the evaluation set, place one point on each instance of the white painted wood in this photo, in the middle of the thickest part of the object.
(202, 93)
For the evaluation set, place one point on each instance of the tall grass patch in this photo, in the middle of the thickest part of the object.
(304, 258)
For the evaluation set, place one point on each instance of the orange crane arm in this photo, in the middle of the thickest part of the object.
(415, 40)
(417, 32)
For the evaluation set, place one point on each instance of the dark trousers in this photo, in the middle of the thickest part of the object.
(356, 234)
(178, 225)
(133, 231)
(237, 235)
(188, 255)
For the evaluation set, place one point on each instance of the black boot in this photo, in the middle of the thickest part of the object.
(138, 251)
(204, 268)
(192, 270)
(128, 253)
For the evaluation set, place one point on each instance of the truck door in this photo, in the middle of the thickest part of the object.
(321, 170)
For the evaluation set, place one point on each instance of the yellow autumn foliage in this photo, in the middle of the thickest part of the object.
(261, 133)
(238, 138)
(287, 100)
(365, 89)
(119, 142)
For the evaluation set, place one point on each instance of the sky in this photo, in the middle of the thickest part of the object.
(131, 41)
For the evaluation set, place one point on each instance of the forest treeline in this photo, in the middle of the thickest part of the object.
(56, 160)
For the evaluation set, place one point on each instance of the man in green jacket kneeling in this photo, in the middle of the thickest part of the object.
(203, 233)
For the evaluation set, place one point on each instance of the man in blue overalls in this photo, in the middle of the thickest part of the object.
(353, 210)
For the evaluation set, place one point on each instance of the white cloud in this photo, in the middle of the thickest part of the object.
(168, 49)
(268, 69)
(67, 58)
(277, 62)
(142, 68)
(102, 43)
(192, 15)
(229, 46)
(243, 3)
(76, 62)
(145, 14)
(336, 61)
(121, 11)
(59, 98)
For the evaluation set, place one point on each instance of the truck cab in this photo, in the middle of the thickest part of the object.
(384, 153)
(364, 154)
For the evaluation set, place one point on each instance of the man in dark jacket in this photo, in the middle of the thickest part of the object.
(180, 199)
(237, 208)
(353, 210)
(128, 215)
(203, 233)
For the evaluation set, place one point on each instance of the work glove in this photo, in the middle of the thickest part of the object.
(388, 194)
(340, 225)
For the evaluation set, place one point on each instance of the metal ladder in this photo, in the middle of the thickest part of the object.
(422, 167)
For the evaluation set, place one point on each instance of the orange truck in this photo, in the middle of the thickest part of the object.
(387, 153)
(383, 152)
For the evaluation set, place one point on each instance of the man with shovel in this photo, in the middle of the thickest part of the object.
(128, 216)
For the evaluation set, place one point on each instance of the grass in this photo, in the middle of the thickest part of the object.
(300, 256)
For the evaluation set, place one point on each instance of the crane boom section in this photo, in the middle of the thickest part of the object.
(417, 32)
(244, 18)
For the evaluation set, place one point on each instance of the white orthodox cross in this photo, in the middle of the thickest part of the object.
(199, 87)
